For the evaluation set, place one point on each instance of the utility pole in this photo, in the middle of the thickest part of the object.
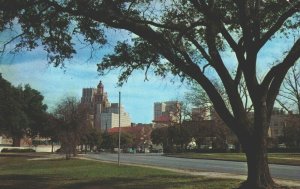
(119, 150)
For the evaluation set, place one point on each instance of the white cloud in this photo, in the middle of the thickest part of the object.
(55, 83)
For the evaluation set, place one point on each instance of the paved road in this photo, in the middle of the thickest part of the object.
(277, 171)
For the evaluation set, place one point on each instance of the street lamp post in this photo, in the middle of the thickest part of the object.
(119, 150)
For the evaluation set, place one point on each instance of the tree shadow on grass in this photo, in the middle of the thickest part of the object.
(156, 182)
(15, 181)
(24, 181)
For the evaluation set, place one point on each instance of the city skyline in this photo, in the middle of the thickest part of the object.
(56, 83)
(138, 95)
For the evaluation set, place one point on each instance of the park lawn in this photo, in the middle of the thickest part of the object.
(20, 173)
(274, 158)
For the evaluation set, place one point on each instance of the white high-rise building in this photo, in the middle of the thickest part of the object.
(110, 117)
(102, 113)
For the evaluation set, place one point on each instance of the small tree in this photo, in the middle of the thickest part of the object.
(159, 136)
(92, 138)
(291, 132)
(111, 140)
(51, 129)
(108, 141)
(289, 95)
(73, 124)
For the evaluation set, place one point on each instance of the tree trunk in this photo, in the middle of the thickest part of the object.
(74, 151)
(259, 176)
(16, 142)
(52, 147)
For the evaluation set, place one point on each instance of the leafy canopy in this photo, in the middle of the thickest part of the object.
(185, 38)
(22, 111)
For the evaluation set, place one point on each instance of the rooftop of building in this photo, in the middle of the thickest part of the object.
(163, 118)
(129, 129)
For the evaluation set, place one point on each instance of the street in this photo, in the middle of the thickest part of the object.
(278, 171)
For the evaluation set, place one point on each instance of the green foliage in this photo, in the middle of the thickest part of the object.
(22, 111)
(91, 137)
(111, 140)
(159, 136)
(42, 25)
(56, 25)
(50, 128)
(138, 56)
(205, 133)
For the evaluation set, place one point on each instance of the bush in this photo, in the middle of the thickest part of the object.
(17, 150)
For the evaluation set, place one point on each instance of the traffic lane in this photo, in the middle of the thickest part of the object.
(277, 171)
(289, 172)
(178, 163)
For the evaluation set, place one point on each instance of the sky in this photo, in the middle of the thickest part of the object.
(137, 96)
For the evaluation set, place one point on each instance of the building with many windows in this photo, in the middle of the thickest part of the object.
(279, 120)
(101, 113)
(110, 117)
(203, 113)
(166, 113)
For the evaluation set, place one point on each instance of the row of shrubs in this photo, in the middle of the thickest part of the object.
(17, 150)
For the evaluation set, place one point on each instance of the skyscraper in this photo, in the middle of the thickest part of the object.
(166, 113)
(103, 114)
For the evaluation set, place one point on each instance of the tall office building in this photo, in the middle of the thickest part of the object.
(203, 113)
(166, 113)
(101, 113)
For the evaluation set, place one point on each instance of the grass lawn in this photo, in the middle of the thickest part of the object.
(275, 158)
(20, 173)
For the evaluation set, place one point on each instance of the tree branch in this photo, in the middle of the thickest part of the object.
(278, 24)
(244, 18)
(282, 105)
(276, 75)
(176, 27)
(256, 18)
(201, 50)
(238, 75)
(8, 42)
(210, 14)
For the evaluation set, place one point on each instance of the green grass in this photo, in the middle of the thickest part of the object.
(275, 158)
(19, 173)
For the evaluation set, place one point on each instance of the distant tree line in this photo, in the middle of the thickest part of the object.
(208, 135)
(23, 114)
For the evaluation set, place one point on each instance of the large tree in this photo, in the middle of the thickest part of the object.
(185, 38)
(13, 119)
(22, 112)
